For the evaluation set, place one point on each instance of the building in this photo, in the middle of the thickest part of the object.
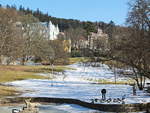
(47, 29)
(67, 45)
(98, 40)
(53, 31)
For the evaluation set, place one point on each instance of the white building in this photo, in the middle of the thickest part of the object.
(51, 30)
(47, 29)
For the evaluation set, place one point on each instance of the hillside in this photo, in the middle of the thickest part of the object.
(63, 23)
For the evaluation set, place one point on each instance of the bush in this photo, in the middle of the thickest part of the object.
(76, 53)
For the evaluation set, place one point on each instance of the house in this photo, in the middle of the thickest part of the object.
(98, 40)
(48, 29)
(53, 31)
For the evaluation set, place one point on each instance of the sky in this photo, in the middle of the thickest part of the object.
(84, 10)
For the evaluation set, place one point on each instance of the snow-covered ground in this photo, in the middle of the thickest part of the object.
(79, 90)
(88, 74)
(74, 84)
(77, 84)
(85, 73)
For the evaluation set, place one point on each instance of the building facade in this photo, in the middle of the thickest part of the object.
(52, 31)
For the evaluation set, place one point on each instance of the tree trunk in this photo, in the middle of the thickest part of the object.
(141, 82)
(23, 61)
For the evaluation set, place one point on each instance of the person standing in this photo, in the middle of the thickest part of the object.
(103, 92)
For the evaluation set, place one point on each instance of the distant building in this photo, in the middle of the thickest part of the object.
(98, 40)
(47, 29)
(67, 46)
(81, 43)
(66, 42)
(53, 31)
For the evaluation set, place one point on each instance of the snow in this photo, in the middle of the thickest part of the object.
(74, 84)
(85, 73)
(65, 89)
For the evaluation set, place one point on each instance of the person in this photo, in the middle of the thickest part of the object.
(103, 91)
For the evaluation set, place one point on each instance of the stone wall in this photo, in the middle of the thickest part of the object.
(101, 107)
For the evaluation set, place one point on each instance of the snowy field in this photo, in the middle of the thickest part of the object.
(83, 72)
(74, 84)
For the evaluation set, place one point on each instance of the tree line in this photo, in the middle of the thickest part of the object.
(133, 47)
(62, 23)
(130, 45)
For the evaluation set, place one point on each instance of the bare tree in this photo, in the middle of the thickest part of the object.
(75, 35)
(9, 34)
(132, 45)
(30, 30)
(59, 51)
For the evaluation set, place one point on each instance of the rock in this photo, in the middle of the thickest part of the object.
(30, 107)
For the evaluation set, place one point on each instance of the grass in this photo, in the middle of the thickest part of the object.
(8, 91)
(8, 76)
(13, 73)
(47, 69)
(78, 59)
(114, 63)
(102, 81)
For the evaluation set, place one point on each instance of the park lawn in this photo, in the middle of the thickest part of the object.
(8, 76)
(8, 91)
(14, 73)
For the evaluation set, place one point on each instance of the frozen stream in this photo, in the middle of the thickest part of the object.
(74, 84)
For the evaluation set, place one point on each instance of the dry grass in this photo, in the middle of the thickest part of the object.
(8, 76)
(78, 59)
(8, 91)
(103, 81)
(13, 73)
(114, 63)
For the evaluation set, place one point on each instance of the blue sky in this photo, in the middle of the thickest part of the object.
(91, 10)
